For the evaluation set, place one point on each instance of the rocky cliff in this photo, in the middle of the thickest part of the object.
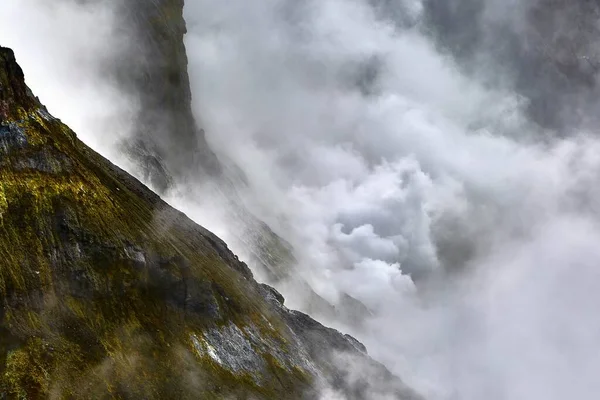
(169, 144)
(152, 68)
(107, 292)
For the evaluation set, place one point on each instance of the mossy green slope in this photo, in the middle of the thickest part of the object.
(92, 265)
(102, 284)
(107, 292)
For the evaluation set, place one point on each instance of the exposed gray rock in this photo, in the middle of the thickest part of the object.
(271, 294)
(12, 137)
(229, 347)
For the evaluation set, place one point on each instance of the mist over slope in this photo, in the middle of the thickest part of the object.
(434, 160)
(107, 292)
(379, 151)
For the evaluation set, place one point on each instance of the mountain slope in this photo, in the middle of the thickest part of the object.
(107, 292)
(169, 146)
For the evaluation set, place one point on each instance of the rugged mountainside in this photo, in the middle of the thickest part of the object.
(170, 146)
(107, 292)
(153, 69)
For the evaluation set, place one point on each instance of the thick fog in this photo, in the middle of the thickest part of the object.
(408, 151)
(379, 154)
(65, 51)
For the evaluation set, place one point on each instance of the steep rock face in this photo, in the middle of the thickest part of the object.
(153, 69)
(169, 147)
(107, 292)
(168, 144)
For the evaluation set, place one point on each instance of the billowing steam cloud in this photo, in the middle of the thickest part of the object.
(379, 155)
(412, 164)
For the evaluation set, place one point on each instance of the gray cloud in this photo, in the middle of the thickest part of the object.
(376, 154)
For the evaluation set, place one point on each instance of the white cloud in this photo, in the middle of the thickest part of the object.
(371, 153)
